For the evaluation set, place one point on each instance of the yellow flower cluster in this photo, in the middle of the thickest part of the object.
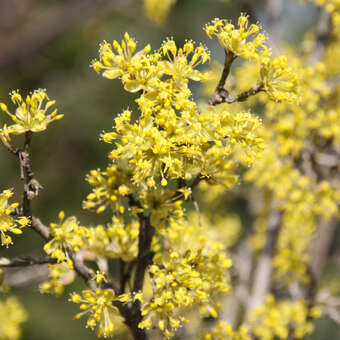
(282, 318)
(12, 314)
(275, 77)
(301, 201)
(61, 274)
(119, 60)
(102, 314)
(67, 233)
(123, 240)
(110, 188)
(31, 114)
(297, 137)
(245, 42)
(191, 271)
(9, 222)
(116, 240)
(171, 139)
(279, 81)
(292, 125)
(201, 144)
(223, 331)
(182, 62)
(158, 11)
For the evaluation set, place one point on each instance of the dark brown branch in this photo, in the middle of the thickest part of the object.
(122, 276)
(145, 256)
(146, 232)
(221, 94)
(26, 174)
(25, 261)
(251, 92)
(225, 97)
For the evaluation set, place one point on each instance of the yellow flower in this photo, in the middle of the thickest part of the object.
(276, 318)
(98, 305)
(120, 61)
(179, 67)
(9, 223)
(67, 233)
(279, 80)
(245, 42)
(31, 114)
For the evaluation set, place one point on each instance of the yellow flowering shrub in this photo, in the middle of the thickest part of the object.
(282, 318)
(185, 247)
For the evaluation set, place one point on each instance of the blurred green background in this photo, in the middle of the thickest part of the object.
(50, 44)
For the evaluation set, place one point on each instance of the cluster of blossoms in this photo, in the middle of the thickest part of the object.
(245, 41)
(31, 114)
(117, 240)
(9, 221)
(302, 201)
(66, 234)
(281, 318)
(278, 80)
(12, 314)
(102, 314)
(297, 137)
(110, 188)
(192, 270)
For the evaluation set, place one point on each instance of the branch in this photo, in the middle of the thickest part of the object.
(221, 94)
(145, 256)
(40, 228)
(25, 261)
(8, 146)
(263, 271)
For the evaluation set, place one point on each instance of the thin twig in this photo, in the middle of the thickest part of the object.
(25, 261)
(221, 94)
(40, 228)
(8, 146)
